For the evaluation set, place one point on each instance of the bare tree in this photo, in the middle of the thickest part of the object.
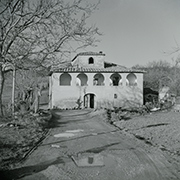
(38, 33)
(29, 84)
(161, 73)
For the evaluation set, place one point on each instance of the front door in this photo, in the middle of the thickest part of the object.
(89, 101)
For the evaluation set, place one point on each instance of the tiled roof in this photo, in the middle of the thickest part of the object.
(109, 69)
(118, 68)
(89, 54)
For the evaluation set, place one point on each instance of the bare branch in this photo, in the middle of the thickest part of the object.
(34, 32)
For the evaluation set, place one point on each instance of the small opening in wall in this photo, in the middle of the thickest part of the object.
(115, 96)
(91, 60)
(131, 79)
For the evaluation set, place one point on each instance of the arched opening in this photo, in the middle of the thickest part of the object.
(131, 79)
(89, 100)
(115, 79)
(65, 79)
(98, 80)
(91, 60)
(81, 79)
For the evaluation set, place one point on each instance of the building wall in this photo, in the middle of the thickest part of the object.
(83, 61)
(105, 96)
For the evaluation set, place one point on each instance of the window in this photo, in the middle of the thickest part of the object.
(65, 79)
(91, 60)
(98, 80)
(81, 79)
(115, 96)
(115, 79)
(131, 79)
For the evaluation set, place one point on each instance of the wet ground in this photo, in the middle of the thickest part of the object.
(82, 145)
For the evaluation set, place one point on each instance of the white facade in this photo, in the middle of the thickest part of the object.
(88, 84)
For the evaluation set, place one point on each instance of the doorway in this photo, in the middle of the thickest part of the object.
(89, 100)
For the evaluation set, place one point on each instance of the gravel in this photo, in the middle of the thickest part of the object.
(159, 129)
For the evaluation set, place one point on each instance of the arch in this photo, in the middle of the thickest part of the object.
(131, 79)
(115, 79)
(91, 60)
(89, 100)
(81, 79)
(65, 79)
(98, 80)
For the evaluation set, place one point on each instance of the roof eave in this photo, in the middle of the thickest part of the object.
(95, 71)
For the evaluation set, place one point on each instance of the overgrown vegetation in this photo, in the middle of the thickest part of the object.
(18, 137)
(161, 73)
(37, 34)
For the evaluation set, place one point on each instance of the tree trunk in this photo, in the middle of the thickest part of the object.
(1, 89)
(37, 94)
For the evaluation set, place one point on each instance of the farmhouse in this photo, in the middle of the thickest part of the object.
(91, 82)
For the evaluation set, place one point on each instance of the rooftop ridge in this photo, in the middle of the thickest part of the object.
(89, 53)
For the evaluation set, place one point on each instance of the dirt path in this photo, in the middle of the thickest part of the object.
(81, 145)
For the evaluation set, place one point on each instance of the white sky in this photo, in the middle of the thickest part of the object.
(137, 31)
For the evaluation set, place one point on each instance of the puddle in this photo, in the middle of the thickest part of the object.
(55, 146)
(69, 133)
(75, 131)
(64, 135)
(92, 160)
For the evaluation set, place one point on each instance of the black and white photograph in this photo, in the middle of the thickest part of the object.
(89, 89)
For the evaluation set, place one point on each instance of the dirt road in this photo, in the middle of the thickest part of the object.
(81, 145)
